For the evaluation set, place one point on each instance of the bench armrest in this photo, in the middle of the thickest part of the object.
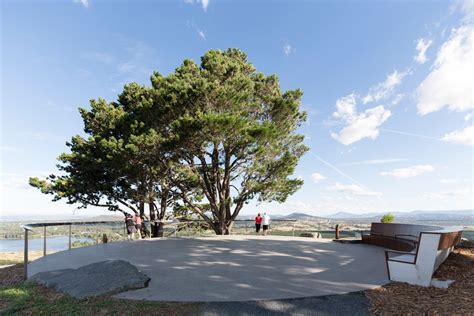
(387, 256)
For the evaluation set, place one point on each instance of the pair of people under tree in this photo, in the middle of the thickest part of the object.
(262, 222)
(134, 224)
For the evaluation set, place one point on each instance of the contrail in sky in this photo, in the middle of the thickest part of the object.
(338, 170)
(410, 134)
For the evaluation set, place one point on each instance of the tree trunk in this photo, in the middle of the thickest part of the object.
(160, 229)
(221, 228)
(153, 222)
(142, 209)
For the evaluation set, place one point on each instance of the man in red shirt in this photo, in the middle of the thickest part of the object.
(258, 223)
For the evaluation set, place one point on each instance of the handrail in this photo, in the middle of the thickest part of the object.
(30, 226)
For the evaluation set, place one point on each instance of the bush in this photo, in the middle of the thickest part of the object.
(387, 218)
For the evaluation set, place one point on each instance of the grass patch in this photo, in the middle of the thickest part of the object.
(5, 262)
(30, 299)
(20, 298)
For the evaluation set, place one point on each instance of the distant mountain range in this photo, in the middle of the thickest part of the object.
(416, 215)
(455, 217)
(465, 216)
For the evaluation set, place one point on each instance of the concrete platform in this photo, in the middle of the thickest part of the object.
(235, 268)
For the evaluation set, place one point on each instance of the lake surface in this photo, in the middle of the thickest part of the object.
(55, 243)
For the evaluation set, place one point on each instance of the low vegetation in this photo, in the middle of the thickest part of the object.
(387, 218)
(20, 298)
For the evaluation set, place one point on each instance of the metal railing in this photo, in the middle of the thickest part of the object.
(185, 222)
(29, 227)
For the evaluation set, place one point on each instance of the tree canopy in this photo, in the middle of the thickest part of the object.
(206, 138)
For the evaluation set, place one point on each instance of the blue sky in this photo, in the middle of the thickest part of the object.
(388, 87)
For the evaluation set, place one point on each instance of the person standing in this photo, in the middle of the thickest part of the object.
(266, 223)
(258, 223)
(130, 223)
(138, 225)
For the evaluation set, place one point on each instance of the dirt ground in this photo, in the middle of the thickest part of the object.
(12, 257)
(405, 299)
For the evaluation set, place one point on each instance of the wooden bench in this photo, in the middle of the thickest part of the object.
(401, 237)
(417, 267)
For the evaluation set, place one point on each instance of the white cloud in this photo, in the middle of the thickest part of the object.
(346, 107)
(384, 89)
(467, 8)
(468, 116)
(287, 49)
(14, 182)
(205, 4)
(448, 194)
(134, 64)
(450, 83)
(409, 172)
(359, 125)
(201, 34)
(317, 177)
(463, 137)
(422, 46)
(8, 148)
(448, 181)
(353, 189)
(374, 161)
(85, 3)
(396, 100)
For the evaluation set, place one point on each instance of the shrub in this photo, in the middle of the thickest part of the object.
(387, 218)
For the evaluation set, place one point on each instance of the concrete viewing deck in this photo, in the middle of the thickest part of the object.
(235, 268)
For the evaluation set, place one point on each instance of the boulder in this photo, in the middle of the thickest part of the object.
(100, 278)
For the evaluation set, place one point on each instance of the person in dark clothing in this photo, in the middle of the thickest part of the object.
(130, 223)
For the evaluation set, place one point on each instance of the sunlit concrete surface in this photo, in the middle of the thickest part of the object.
(235, 268)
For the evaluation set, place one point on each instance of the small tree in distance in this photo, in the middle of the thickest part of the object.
(387, 218)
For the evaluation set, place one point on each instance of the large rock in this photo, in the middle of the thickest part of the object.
(100, 278)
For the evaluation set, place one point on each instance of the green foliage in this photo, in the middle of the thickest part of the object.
(29, 299)
(387, 218)
(205, 139)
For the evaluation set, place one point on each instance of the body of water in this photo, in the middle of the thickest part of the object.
(55, 243)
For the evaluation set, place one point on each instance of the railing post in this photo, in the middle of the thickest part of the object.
(70, 236)
(25, 256)
(44, 241)
(293, 229)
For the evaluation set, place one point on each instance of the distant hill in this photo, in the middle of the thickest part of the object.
(106, 218)
(462, 216)
(347, 215)
(301, 216)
